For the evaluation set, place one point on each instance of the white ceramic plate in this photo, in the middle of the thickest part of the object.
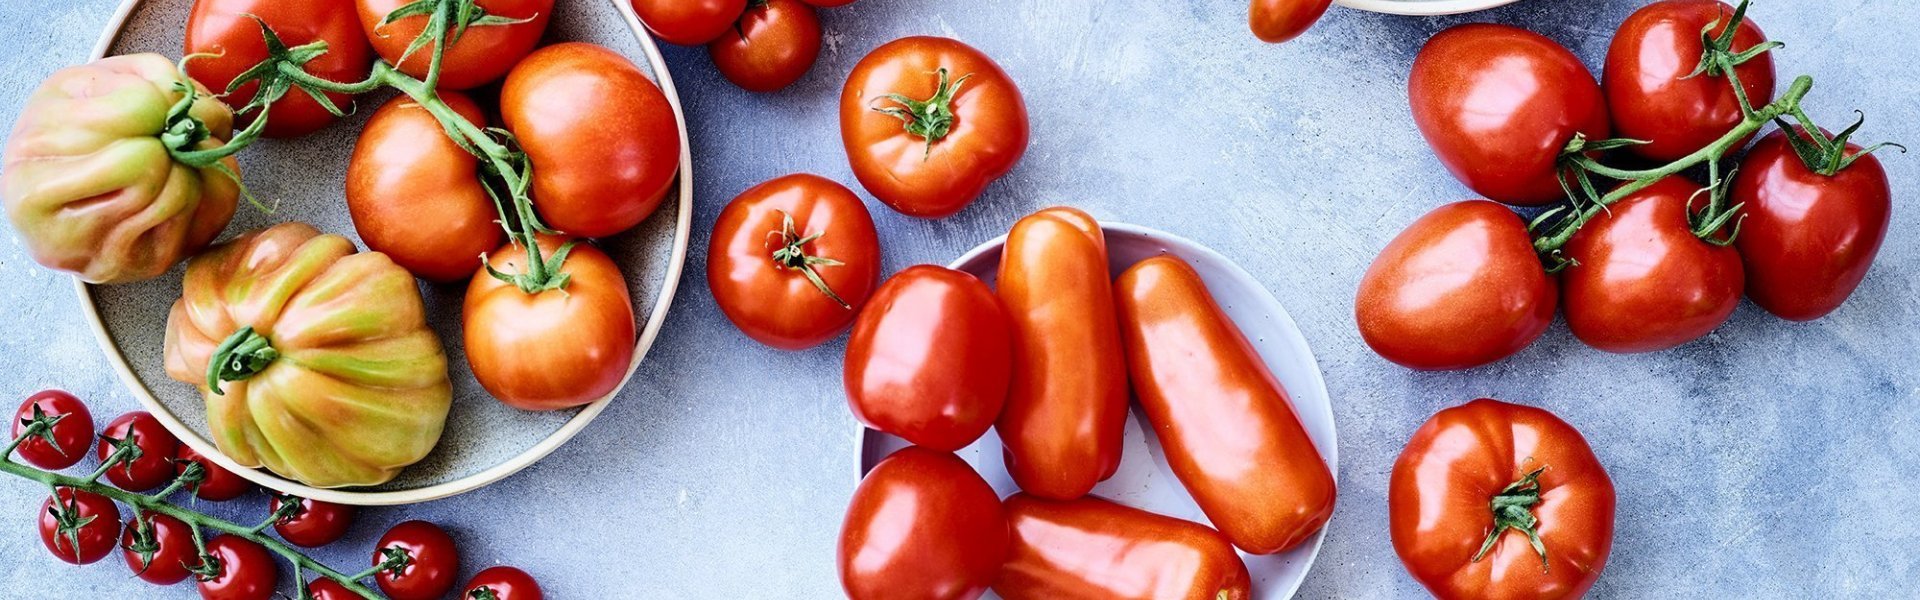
(1423, 7)
(1144, 479)
(484, 439)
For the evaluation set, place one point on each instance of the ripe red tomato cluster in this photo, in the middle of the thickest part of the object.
(759, 45)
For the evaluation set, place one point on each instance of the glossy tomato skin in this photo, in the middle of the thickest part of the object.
(326, 589)
(316, 523)
(1498, 104)
(223, 28)
(555, 349)
(433, 562)
(504, 583)
(771, 47)
(1438, 504)
(1649, 92)
(1276, 21)
(989, 134)
(247, 571)
(154, 467)
(1227, 425)
(776, 305)
(416, 196)
(929, 359)
(1460, 288)
(829, 3)
(1067, 407)
(1807, 240)
(96, 537)
(689, 22)
(172, 548)
(922, 525)
(217, 483)
(71, 435)
(1093, 549)
(1644, 283)
(603, 139)
(481, 55)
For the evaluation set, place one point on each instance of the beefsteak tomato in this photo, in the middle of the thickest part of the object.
(771, 243)
(229, 37)
(481, 53)
(1652, 91)
(922, 525)
(929, 358)
(554, 349)
(416, 195)
(774, 44)
(1643, 282)
(1808, 238)
(1092, 549)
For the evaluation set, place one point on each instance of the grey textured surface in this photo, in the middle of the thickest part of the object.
(1767, 460)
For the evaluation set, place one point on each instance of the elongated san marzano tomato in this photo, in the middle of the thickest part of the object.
(1092, 549)
(1226, 424)
(1065, 413)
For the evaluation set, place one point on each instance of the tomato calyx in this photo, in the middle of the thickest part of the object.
(143, 542)
(1823, 154)
(930, 119)
(67, 518)
(1708, 222)
(242, 355)
(1513, 509)
(40, 425)
(482, 593)
(192, 475)
(792, 254)
(447, 22)
(394, 563)
(1718, 58)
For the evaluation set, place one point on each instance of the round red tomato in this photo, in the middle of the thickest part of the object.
(1475, 480)
(314, 524)
(328, 589)
(242, 570)
(604, 141)
(766, 241)
(1276, 21)
(554, 349)
(432, 562)
(1498, 104)
(154, 465)
(922, 524)
(1460, 288)
(79, 526)
(158, 548)
(930, 359)
(1650, 93)
(1643, 282)
(416, 196)
(774, 44)
(225, 30)
(502, 583)
(480, 55)
(1808, 239)
(216, 484)
(928, 122)
(71, 434)
(689, 22)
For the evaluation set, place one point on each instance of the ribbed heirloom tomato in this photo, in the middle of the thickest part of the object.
(1276, 21)
(225, 32)
(1652, 92)
(1094, 549)
(1643, 281)
(1809, 236)
(689, 22)
(921, 526)
(929, 358)
(773, 46)
(416, 196)
(553, 349)
(792, 260)
(71, 434)
(482, 53)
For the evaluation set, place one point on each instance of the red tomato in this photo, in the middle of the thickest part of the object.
(1643, 282)
(829, 3)
(604, 141)
(225, 30)
(328, 589)
(1276, 21)
(79, 526)
(432, 562)
(71, 434)
(1460, 288)
(314, 524)
(757, 267)
(416, 196)
(1498, 104)
(158, 548)
(1226, 424)
(1469, 487)
(478, 57)
(929, 358)
(502, 583)
(1067, 408)
(1649, 90)
(555, 349)
(922, 525)
(1091, 548)
(216, 484)
(154, 465)
(928, 122)
(689, 22)
(1808, 239)
(243, 570)
(773, 45)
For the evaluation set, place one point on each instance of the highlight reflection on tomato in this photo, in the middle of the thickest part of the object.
(226, 32)
(557, 348)
(773, 45)
(767, 241)
(481, 55)
(1095, 549)
(1651, 89)
(929, 358)
(922, 525)
(1643, 282)
(1808, 239)
(1276, 21)
(416, 196)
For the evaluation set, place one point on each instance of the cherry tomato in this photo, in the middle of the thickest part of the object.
(1091, 548)
(689, 22)
(555, 349)
(158, 548)
(157, 447)
(432, 562)
(1226, 424)
(71, 434)
(328, 589)
(1808, 239)
(1643, 282)
(79, 526)
(1524, 463)
(479, 56)
(928, 122)
(314, 524)
(1499, 103)
(1649, 88)
(1067, 407)
(773, 45)
(603, 139)
(922, 525)
(243, 570)
(216, 483)
(757, 265)
(502, 583)
(416, 196)
(929, 358)
(1276, 21)
(226, 31)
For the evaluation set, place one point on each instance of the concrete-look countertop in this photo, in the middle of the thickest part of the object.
(1770, 459)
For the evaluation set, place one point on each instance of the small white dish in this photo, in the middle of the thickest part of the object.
(1423, 7)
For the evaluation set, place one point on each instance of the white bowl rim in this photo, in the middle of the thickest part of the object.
(1423, 8)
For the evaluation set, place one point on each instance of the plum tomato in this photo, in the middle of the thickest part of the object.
(1643, 281)
(216, 483)
(771, 244)
(239, 570)
(774, 44)
(62, 445)
(159, 548)
(432, 561)
(153, 462)
(929, 359)
(689, 22)
(416, 196)
(502, 583)
(1276, 21)
(482, 53)
(226, 33)
(314, 524)
(922, 524)
(1808, 238)
(1652, 92)
(78, 526)
(1091, 548)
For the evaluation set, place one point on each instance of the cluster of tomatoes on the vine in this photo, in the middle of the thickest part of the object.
(759, 45)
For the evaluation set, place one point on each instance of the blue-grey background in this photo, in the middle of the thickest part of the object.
(1770, 459)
